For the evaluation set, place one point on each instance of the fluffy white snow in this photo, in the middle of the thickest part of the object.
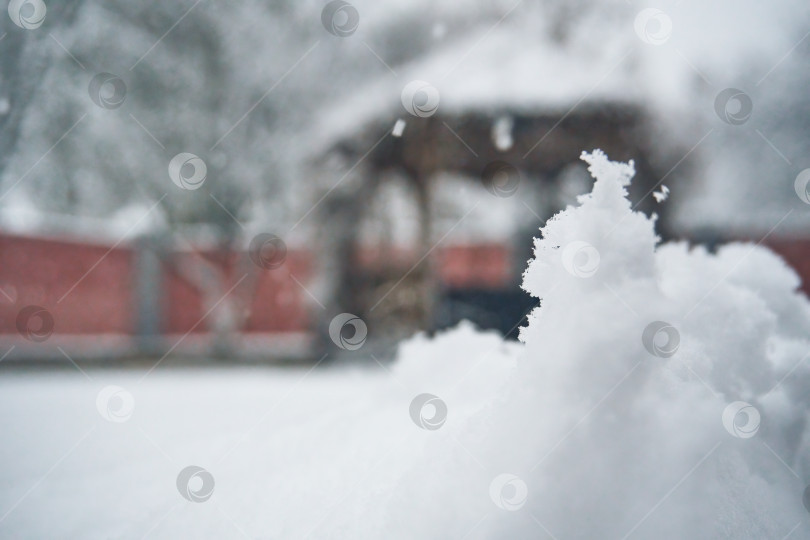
(616, 442)
(660, 392)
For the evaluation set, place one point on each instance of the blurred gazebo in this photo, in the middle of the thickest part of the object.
(511, 122)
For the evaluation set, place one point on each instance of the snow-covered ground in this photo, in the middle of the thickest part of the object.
(293, 453)
(660, 392)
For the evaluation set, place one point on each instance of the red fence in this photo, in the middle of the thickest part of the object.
(271, 301)
(86, 288)
(91, 289)
(95, 296)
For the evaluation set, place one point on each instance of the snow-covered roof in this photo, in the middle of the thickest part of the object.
(496, 70)
(515, 62)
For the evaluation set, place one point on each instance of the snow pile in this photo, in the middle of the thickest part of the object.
(463, 364)
(659, 394)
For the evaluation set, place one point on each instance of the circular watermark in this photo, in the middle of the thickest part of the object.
(580, 259)
(508, 492)
(34, 323)
(653, 26)
(28, 14)
(340, 18)
(733, 106)
(741, 419)
(348, 331)
(267, 251)
(420, 98)
(501, 179)
(115, 404)
(195, 484)
(108, 91)
(802, 186)
(661, 339)
(428, 412)
(187, 171)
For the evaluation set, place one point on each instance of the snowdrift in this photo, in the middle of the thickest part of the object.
(662, 393)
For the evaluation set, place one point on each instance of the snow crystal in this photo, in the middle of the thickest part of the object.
(399, 128)
(661, 196)
(502, 133)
